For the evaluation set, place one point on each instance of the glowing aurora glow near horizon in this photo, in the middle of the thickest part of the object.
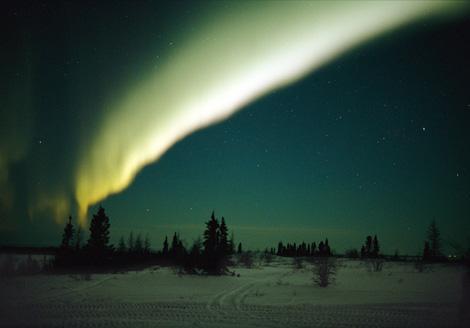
(236, 57)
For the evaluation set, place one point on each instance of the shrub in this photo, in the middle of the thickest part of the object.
(374, 264)
(352, 253)
(324, 271)
(298, 263)
(246, 259)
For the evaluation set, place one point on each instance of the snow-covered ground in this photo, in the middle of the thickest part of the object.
(267, 295)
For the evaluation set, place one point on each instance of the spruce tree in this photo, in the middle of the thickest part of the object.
(368, 246)
(363, 251)
(321, 249)
(78, 239)
(174, 246)
(146, 245)
(223, 239)
(280, 249)
(211, 243)
(121, 246)
(434, 237)
(139, 245)
(375, 247)
(67, 236)
(231, 244)
(327, 248)
(165, 247)
(130, 243)
(98, 243)
(426, 251)
(239, 250)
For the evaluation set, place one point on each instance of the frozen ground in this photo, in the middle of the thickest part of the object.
(268, 295)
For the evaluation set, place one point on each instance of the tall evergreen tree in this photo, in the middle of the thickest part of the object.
(174, 245)
(426, 251)
(363, 251)
(98, 243)
(211, 235)
(130, 243)
(231, 244)
(67, 236)
(327, 251)
(368, 246)
(165, 247)
(147, 245)
(434, 237)
(375, 247)
(211, 243)
(239, 250)
(139, 245)
(321, 249)
(78, 239)
(121, 249)
(314, 249)
(223, 238)
(280, 249)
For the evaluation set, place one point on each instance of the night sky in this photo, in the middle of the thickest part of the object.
(372, 139)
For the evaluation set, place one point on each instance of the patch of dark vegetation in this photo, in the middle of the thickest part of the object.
(209, 256)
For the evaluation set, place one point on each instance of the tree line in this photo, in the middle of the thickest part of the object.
(303, 249)
(209, 255)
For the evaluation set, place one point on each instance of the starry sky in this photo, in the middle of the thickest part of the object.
(371, 137)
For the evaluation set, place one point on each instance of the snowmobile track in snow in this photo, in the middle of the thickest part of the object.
(227, 311)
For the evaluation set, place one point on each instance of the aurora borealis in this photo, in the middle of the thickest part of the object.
(93, 94)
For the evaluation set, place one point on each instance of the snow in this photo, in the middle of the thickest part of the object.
(268, 295)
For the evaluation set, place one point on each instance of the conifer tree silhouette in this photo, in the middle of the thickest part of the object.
(280, 249)
(174, 246)
(223, 239)
(139, 245)
(130, 243)
(98, 243)
(147, 245)
(211, 243)
(67, 236)
(78, 239)
(375, 247)
(426, 251)
(231, 244)
(368, 246)
(434, 238)
(165, 247)
(327, 251)
(314, 249)
(121, 246)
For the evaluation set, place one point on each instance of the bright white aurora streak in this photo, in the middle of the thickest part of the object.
(237, 56)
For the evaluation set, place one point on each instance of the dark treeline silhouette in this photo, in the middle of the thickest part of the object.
(211, 255)
(303, 249)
